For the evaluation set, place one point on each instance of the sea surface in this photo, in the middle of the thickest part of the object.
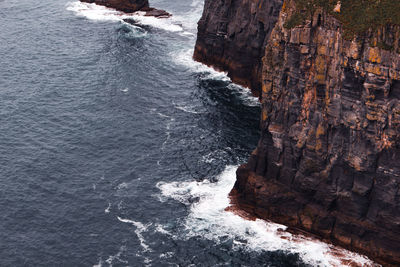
(117, 149)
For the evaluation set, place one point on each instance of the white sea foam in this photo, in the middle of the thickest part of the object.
(168, 24)
(191, 18)
(99, 264)
(208, 158)
(140, 228)
(94, 12)
(122, 186)
(107, 210)
(161, 229)
(187, 109)
(185, 58)
(168, 133)
(166, 255)
(215, 155)
(209, 219)
(101, 13)
(248, 98)
(117, 257)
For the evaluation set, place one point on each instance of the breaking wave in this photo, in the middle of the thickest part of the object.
(209, 219)
(184, 58)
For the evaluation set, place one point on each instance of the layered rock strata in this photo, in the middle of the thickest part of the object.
(130, 6)
(232, 36)
(328, 161)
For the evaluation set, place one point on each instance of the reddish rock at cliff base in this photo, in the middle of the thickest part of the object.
(130, 6)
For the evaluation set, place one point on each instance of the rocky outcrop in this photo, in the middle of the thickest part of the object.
(232, 36)
(328, 160)
(130, 6)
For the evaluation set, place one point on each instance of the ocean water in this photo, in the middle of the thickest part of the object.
(117, 149)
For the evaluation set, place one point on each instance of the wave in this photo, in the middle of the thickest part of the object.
(245, 94)
(185, 58)
(209, 219)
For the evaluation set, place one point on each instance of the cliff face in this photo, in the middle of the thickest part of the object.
(328, 160)
(232, 36)
(123, 5)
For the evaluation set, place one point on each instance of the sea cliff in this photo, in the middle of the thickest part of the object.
(232, 36)
(328, 160)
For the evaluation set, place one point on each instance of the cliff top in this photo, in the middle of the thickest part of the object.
(357, 16)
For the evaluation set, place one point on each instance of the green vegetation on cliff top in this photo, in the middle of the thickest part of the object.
(357, 16)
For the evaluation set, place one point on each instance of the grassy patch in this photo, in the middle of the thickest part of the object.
(295, 20)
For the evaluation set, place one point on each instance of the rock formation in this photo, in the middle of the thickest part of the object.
(232, 36)
(130, 6)
(328, 161)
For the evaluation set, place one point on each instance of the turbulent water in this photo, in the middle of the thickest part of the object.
(116, 149)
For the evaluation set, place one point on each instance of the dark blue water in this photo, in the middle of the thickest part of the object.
(111, 137)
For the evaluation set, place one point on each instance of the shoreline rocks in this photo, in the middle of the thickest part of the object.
(130, 6)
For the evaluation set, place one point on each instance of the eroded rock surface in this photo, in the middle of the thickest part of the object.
(328, 160)
(232, 36)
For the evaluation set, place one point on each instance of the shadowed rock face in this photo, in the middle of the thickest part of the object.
(328, 160)
(128, 6)
(232, 36)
